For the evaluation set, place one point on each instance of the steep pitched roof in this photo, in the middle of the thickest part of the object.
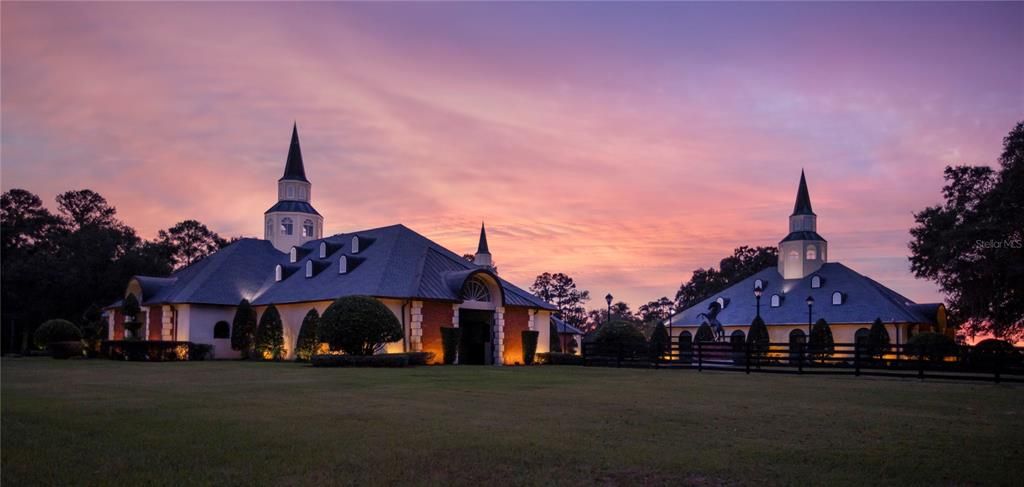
(864, 300)
(803, 198)
(292, 206)
(293, 167)
(481, 247)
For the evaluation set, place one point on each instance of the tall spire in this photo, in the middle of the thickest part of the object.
(803, 198)
(293, 168)
(481, 247)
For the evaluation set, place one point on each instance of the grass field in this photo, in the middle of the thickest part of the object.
(104, 422)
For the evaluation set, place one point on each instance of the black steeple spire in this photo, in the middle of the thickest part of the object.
(293, 168)
(481, 247)
(803, 198)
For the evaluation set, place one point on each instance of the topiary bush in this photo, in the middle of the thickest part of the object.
(620, 338)
(758, 340)
(529, 345)
(878, 339)
(243, 329)
(55, 331)
(659, 342)
(932, 346)
(704, 333)
(821, 346)
(307, 343)
(270, 335)
(450, 338)
(358, 325)
(94, 330)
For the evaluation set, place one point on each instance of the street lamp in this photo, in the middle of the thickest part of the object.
(608, 299)
(757, 296)
(810, 305)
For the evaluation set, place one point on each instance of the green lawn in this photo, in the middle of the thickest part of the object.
(104, 422)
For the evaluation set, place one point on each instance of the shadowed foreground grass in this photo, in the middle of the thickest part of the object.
(104, 422)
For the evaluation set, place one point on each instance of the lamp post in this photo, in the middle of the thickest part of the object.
(757, 296)
(608, 299)
(810, 306)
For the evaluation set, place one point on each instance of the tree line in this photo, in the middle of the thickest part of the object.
(60, 264)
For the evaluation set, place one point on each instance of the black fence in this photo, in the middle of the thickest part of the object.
(960, 362)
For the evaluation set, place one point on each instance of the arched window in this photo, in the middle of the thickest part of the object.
(736, 339)
(293, 255)
(758, 284)
(286, 226)
(476, 290)
(307, 228)
(812, 252)
(270, 227)
(815, 281)
(342, 265)
(355, 244)
(278, 271)
(797, 339)
(861, 335)
(323, 250)
(222, 330)
(837, 298)
(309, 268)
(302, 192)
(776, 300)
(721, 303)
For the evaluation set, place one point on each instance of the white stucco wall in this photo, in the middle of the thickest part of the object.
(196, 322)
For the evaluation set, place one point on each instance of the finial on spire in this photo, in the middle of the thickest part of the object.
(803, 198)
(481, 247)
(293, 167)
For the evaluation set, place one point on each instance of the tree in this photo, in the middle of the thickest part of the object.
(656, 311)
(820, 344)
(243, 329)
(878, 339)
(270, 335)
(704, 333)
(358, 325)
(24, 222)
(131, 309)
(972, 245)
(189, 241)
(758, 338)
(621, 338)
(659, 342)
(561, 291)
(94, 329)
(86, 208)
(620, 312)
(307, 343)
(744, 262)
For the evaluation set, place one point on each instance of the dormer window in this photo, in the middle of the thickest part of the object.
(812, 252)
(307, 228)
(355, 244)
(278, 272)
(342, 265)
(309, 269)
(758, 284)
(815, 281)
(837, 298)
(776, 300)
(293, 255)
(323, 250)
(721, 303)
(286, 226)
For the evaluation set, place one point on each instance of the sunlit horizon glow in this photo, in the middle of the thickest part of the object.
(623, 144)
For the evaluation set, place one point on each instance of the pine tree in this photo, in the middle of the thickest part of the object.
(243, 329)
(878, 339)
(270, 335)
(307, 343)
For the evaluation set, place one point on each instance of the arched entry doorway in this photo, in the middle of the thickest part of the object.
(685, 347)
(797, 342)
(477, 317)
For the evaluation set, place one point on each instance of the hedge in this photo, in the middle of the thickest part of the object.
(529, 345)
(358, 325)
(933, 346)
(450, 344)
(270, 335)
(307, 343)
(344, 360)
(54, 331)
(559, 358)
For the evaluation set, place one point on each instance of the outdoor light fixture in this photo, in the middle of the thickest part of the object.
(810, 305)
(757, 295)
(608, 299)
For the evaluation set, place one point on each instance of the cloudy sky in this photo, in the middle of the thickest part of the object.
(624, 144)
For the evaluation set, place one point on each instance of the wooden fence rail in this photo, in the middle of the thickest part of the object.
(962, 362)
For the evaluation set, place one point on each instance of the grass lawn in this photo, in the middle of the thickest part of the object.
(105, 422)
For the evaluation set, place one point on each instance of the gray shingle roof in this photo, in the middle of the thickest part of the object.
(564, 327)
(293, 206)
(864, 300)
(393, 262)
(803, 235)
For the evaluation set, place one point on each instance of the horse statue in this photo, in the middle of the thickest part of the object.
(711, 318)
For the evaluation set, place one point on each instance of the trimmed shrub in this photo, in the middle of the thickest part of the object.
(988, 353)
(450, 338)
(757, 336)
(243, 329)
(55, 331)
(342, 360)
(418, 358)
(270, 335)
(554, 341)
(529, 345)
(704, 333)
(94, 329)
(620, 338)
(821, 345)
(200, 351)
(659, 342)
(358, 325)
(559, 358)
(932, 346)
(307, 342)
(878, 339)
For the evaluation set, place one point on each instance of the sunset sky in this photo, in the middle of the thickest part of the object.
(623, 144)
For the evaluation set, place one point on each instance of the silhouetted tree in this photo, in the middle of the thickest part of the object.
(744, 262)
(270, 335)
(189, 241)
(561, 291)
(307, 342)
(243, 329)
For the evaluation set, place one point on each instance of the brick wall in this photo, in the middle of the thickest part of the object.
(517, 320)
(435, 315)
(118, 325)
(155, 322)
